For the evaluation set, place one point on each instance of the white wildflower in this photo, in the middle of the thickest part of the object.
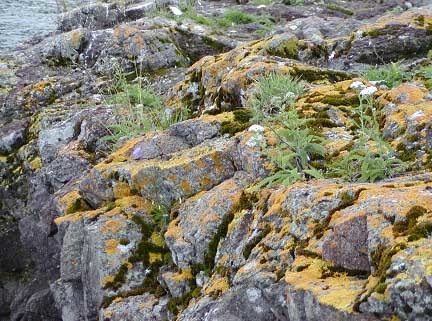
(256, 129)
(368, 91)
(357, 85)
(256, 140)
(175, 11)
(290, 95)
(147, 271)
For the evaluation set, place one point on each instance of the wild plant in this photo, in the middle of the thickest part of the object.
(273, 93)
(391, 75)
(372, 158)
(138, 109)
(297, 147)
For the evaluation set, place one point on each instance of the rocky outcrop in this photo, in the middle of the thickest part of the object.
(171, 225)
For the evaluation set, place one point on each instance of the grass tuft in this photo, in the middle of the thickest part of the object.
(273, 93)
(391, 75)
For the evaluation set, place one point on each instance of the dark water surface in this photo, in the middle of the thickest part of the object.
(22, 19)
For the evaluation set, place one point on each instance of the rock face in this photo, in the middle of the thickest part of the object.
(171, 225)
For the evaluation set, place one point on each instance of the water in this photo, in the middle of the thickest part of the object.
(22, 19)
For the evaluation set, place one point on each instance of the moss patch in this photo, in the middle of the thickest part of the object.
(240, 122)
(175, 305)
(402, 227)
(254, 242)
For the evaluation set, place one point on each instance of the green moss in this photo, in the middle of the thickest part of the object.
(242, 115)
(305, 252)
(119, 278)
(413, 137)
(288, 49)
(380, 288)
(381, 260)
(124, 241)
(232, 127)
(374, 33)
(421, 230)
(158, 292)
(176, 305)
(402, 227)
(213, 245)
(340, 100)
(332, 271)
(420, 20)
(52, 97)
(339, 9)
(110, 205)
(321, 122)
(142, 254)
(428, 28)
(240, 123)
(254, 242)
(77, 206)
(300, 268)
(404, 154)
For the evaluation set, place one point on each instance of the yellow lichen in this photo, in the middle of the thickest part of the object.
(112, 226)
(155, 257)
(157, 239)
(36, 163)
(121, 189)
(338, 292)
(111, 246)
(217, 286)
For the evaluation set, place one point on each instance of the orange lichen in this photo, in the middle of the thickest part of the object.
(111, 246)
(216, 287)
(340, 291)
(185, 185)
(112, 226)
(121, 189)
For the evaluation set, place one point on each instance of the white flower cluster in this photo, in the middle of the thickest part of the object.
(364, 91)
(368, 91)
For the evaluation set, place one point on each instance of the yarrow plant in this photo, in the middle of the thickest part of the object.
(372, 158)
(295, 151)
(271, 104)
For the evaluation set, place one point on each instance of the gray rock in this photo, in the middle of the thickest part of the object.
(189, 235)
(13, 135)
(144, 307)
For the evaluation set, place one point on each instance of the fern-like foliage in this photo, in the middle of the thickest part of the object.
(297, 147)
(372, 158)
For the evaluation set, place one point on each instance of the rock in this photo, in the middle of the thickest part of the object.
(393, 38)
(63, 49)
(189, 235)
(147, 50)
(144, 307)
(407, 289)
(93, 253)
(177, 283)
(172, 225)
(94, 16)
(219, 84)
(347, 245)
(13, 135)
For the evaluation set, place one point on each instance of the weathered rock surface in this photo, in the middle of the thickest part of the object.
(168, 226)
